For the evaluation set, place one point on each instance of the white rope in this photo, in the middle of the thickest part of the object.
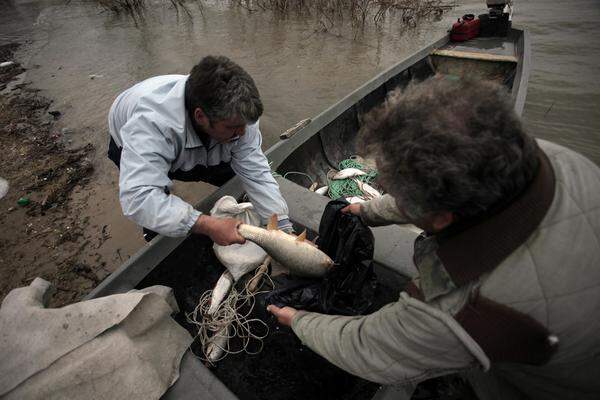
(229, 321)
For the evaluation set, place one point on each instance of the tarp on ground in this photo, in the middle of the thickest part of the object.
(124, 346)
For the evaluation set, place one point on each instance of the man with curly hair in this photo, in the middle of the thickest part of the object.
(508, 284)
(197, 127)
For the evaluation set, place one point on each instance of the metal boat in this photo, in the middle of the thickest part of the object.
(318, 144)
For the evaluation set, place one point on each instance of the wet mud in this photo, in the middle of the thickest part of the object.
(42, 234)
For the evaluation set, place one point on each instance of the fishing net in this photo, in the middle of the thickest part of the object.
(348, 187)
(231, 320)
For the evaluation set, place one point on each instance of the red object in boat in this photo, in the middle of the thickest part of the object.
(465, 28)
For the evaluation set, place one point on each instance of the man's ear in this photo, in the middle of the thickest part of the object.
(442, 219)
(200, 117)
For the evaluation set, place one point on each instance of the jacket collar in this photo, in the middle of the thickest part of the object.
(468, 249)
(192, 139)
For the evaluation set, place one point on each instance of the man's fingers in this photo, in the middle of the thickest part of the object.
(238, 238)
(284, 315)
(273, 309)
(346, 209)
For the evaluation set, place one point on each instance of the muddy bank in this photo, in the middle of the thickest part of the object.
(42, 230)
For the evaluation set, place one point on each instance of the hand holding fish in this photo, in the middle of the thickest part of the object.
(284, 315)
(222, 231)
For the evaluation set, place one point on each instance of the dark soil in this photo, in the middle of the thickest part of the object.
(42, 234)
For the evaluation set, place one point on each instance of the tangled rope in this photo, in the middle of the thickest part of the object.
(348, 187)
(231, 320)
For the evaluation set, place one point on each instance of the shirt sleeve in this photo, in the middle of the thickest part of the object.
(382, 211)
(403, 343)
(250, 164)
(148, 152)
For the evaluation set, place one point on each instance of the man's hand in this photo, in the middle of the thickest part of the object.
(352, 209)
(284, 315)
(223, 231)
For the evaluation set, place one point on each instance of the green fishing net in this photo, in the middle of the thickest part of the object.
(348, 187)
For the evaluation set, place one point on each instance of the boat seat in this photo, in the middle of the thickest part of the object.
(393, 243)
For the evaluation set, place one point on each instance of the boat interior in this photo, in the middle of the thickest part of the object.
(494, 59)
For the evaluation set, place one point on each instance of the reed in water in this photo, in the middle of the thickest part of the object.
(136, 8)
(358, 12)
(329, 12)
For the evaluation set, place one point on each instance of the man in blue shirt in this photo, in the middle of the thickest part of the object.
(199, 127)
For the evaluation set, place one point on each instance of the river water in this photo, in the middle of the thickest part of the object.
(299, 67)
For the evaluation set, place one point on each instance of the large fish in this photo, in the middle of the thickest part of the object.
(294, 253)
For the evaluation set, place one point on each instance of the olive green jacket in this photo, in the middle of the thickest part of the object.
(552, 277)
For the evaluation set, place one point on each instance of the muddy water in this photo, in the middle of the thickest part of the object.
(299, 68)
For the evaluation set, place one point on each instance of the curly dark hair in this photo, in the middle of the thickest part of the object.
(222, 89)
(443, 145)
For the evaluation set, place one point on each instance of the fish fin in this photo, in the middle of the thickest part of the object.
(301, 237)
(272, 225)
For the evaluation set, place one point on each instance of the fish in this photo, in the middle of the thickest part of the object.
(348, 173)
(367, 189)
(218, 343)
(220, 292)
(322, 190)
(355, 199)
(294, 253)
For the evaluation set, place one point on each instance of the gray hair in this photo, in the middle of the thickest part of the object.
(222, 89)
(455, 146)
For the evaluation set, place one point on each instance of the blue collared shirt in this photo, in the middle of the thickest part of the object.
(150, 123)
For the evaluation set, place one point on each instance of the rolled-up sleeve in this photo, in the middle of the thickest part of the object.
(250, 164)
(148, 152)
(403, 343)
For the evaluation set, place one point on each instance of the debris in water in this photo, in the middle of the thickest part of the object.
(55, 114)
(3, 187)
(6, 64)
(23, 201)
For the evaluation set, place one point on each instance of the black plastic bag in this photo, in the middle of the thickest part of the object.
(349, 288)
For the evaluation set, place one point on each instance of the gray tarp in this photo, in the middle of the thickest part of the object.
(115, 347)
